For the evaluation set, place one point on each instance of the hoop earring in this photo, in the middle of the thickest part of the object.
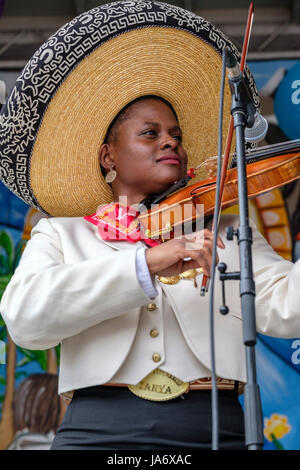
(111, 175)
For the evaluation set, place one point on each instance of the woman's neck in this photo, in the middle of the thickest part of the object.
(129, 199)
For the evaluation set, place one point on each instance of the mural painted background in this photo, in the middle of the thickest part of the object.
(30, 407)
(30, 410)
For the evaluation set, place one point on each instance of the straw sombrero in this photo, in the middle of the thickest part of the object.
(56, 117)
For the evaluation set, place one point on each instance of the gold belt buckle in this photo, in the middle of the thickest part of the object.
(159, 386)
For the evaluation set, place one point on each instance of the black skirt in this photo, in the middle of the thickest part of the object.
(111, 418)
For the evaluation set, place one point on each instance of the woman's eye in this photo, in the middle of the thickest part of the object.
(149, 132)
(154, 133)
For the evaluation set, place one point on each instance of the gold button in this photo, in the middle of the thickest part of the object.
(154, 333)
(156, 357)
(151, 307)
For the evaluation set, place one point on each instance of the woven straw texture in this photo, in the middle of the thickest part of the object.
(164, 62)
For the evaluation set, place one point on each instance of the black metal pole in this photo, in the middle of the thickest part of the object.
(252, 403)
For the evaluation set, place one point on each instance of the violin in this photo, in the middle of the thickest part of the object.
(267, 168)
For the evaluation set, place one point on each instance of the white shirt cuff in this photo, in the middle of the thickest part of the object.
(143, 274)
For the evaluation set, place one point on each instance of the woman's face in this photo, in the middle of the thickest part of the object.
(147, 151)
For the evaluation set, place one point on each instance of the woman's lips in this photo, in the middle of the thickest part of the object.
(169, 160)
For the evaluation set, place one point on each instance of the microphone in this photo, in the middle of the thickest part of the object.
(259, 130)
(257, 125)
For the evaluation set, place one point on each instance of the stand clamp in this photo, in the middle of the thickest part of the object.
(224, 276)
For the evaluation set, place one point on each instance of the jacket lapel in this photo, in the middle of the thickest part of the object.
(119, 245)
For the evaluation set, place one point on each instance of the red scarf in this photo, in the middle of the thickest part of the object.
(116, 221)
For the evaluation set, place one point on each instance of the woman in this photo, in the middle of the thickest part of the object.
(144, 146)
(135, 352)
(105, 312)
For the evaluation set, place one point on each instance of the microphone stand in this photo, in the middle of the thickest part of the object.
(242, 110)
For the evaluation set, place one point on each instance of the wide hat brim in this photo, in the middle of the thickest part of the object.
(57, 115)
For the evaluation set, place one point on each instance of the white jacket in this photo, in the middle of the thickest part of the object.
(71, 287)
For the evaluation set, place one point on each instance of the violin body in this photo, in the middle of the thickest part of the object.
(191, 204)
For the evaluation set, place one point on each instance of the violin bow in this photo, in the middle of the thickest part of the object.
(205, 279)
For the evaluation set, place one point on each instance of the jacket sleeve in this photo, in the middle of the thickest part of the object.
(277, 283)
(48, 300)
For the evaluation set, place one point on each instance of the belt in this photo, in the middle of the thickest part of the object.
(162, 386)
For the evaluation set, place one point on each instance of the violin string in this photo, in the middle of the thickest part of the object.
(206, 161)
(268, 150)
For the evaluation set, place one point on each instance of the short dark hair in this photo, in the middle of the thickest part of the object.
(124, 114)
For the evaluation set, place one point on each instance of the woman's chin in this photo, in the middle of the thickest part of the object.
(170, 174)
(164, 183)
(161, 182)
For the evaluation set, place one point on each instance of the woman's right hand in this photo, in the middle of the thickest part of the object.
(175, 256)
